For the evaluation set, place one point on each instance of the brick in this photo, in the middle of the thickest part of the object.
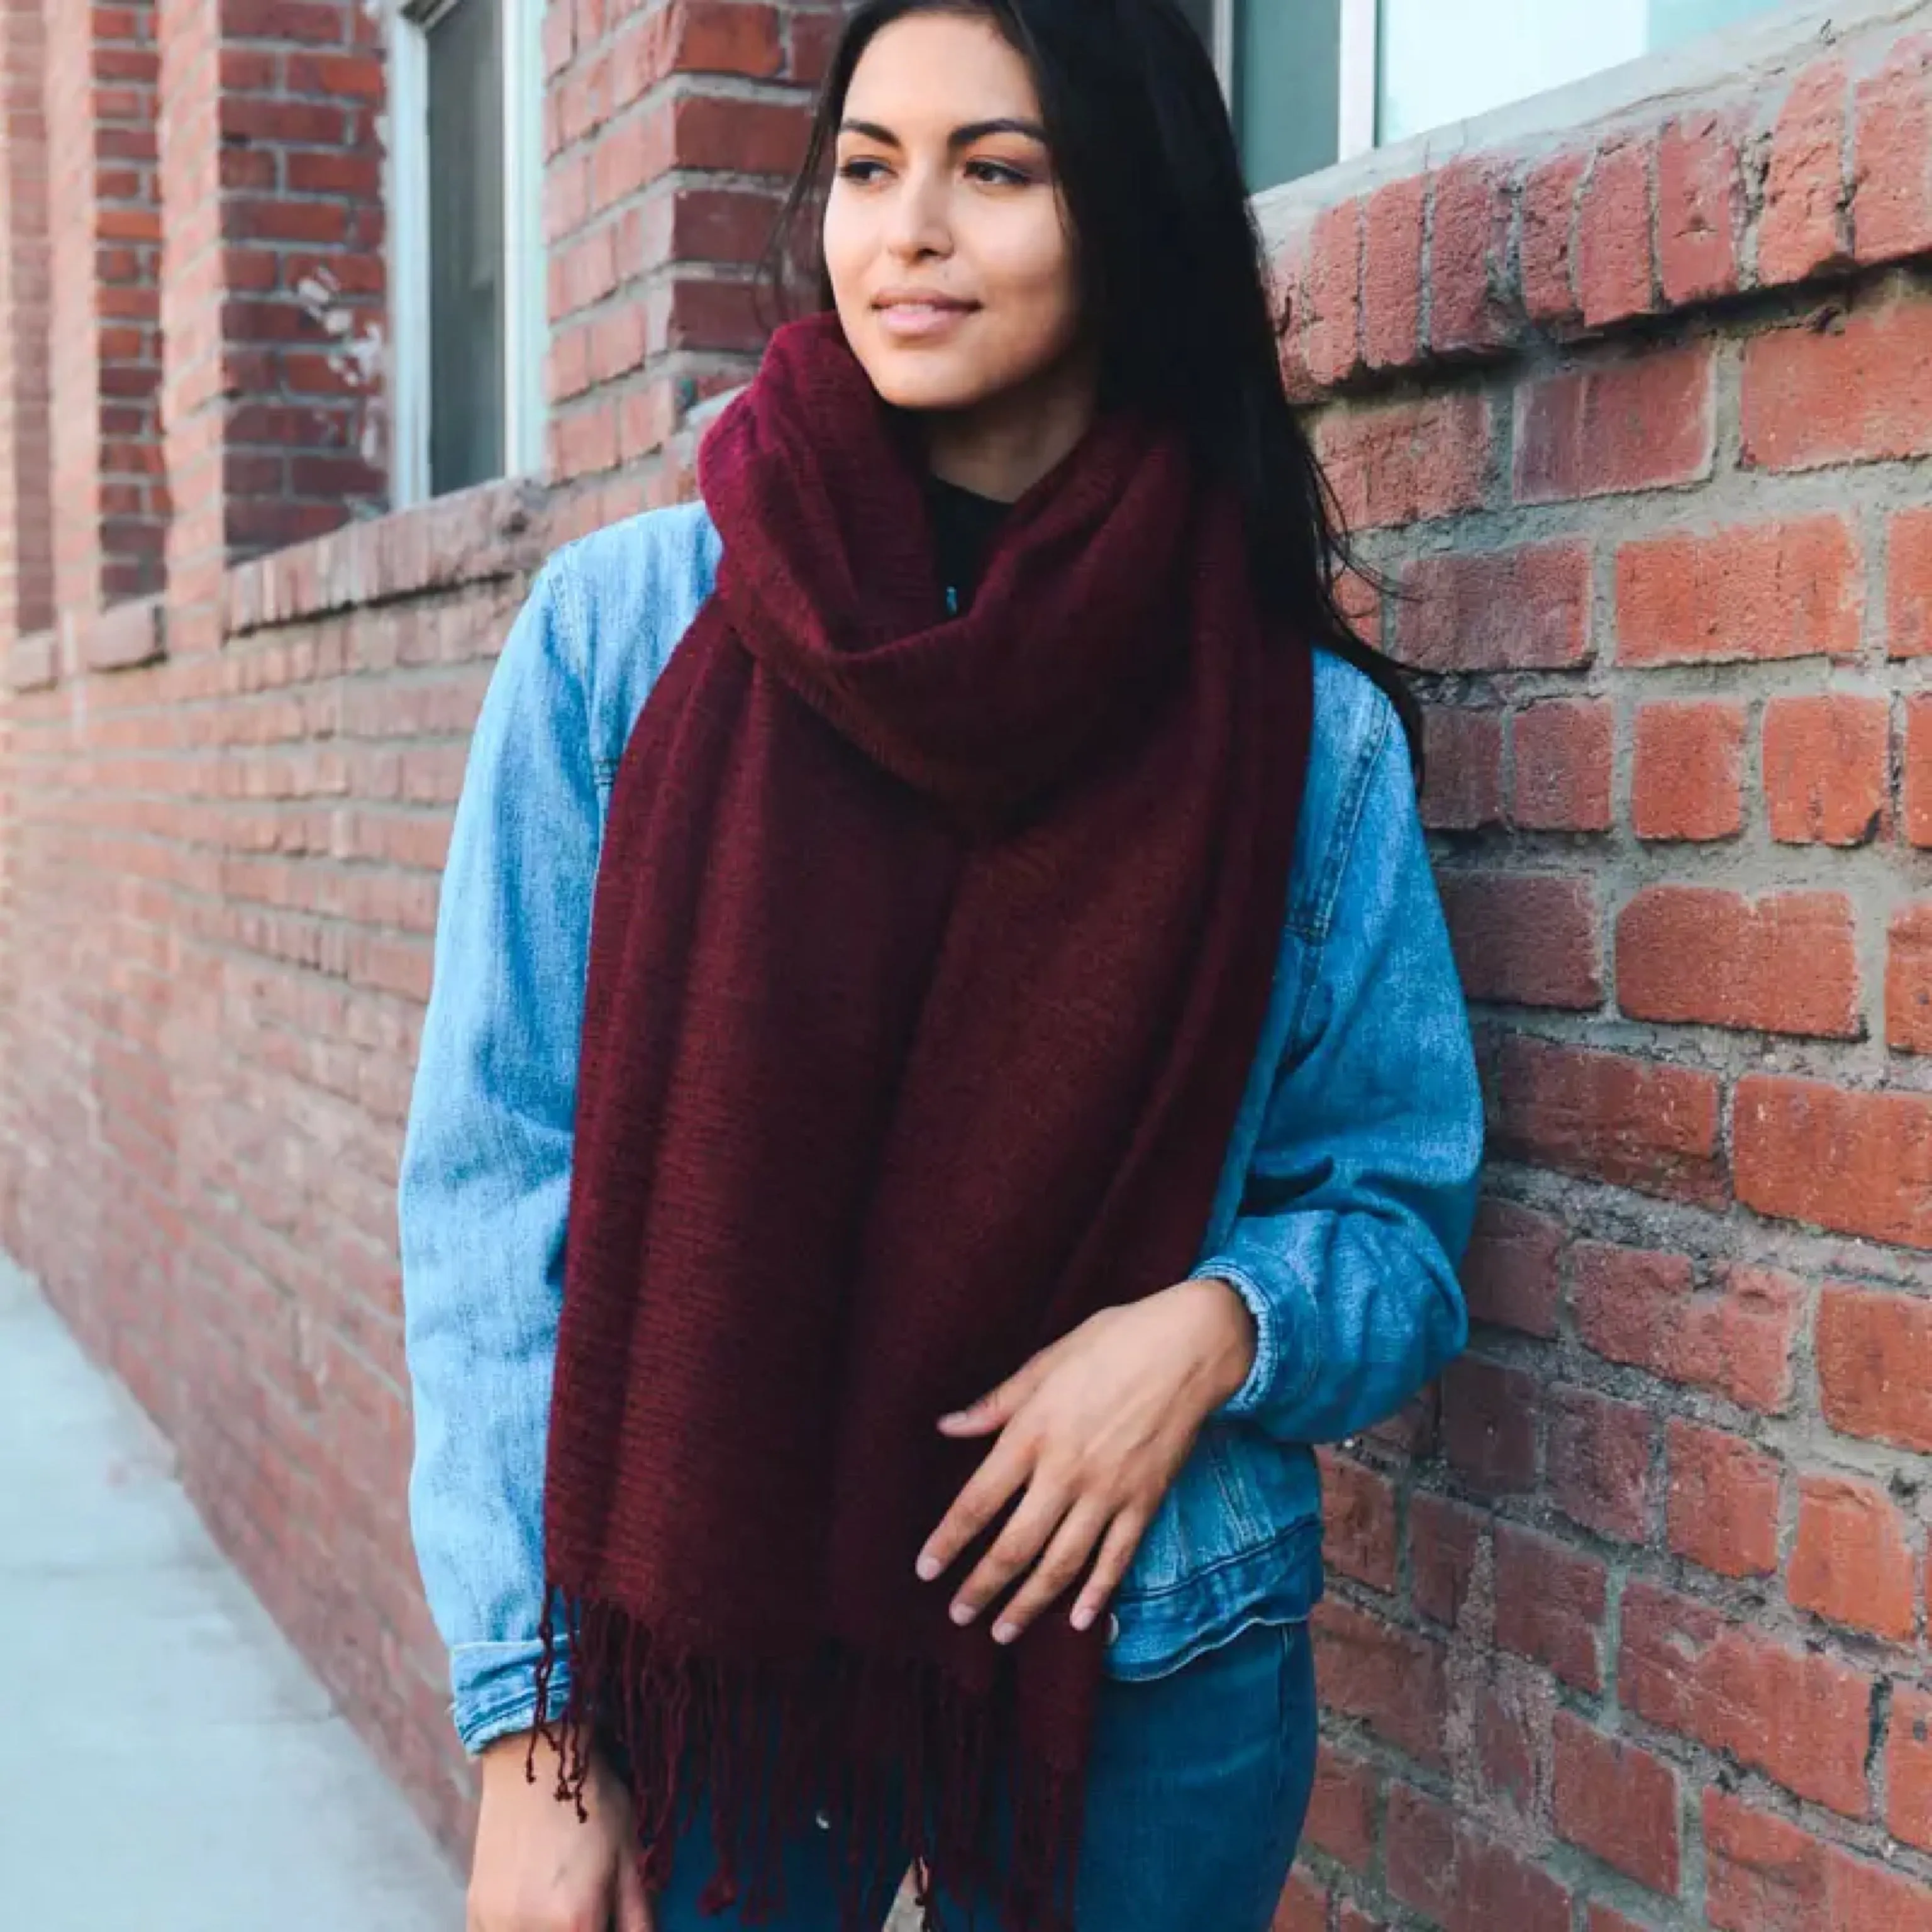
(1303, 1906)
(1392, 1680)
(716, 37)
(1908, 1767)
(1509, 1272)
(1608, 1116)
(1763, 590)
(1600, 1462)
(1909, 604)
(1331, 306)
(1525, 940)
(1613, 246)
(1617, 1802)
(1916, 811)
(1392, 274)
(1787, 963)
(1508, 1744)
(1461, 1880)
(1406, 462)
(1343, 1807)
(1462, 763)
(721, 132)
(1827, 769)
(1687, 779)
(1469, 253)
(1800, 1717)
(1358, 1512)
(1610, 427)
(1908, 981)
(1721, 1506)
(1803, 231)
(1764, 1874)
(1874, 1354)
(1851, 1564)
(1550, 1605)
(1857, 1163)
(1700, 209)
(1564, 757)
(1642, 1309)
(1516, 609)
(1488, 1425)
(1605, 1919)
(1857, 391)
(1891, 208)
(1550, 198)
(1445, 1539)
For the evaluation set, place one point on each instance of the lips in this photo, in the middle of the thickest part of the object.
(916, 317)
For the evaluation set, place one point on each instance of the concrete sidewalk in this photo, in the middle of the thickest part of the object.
(167, 1762)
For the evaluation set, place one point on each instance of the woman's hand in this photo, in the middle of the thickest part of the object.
(1094, 1430)
(539, 1868)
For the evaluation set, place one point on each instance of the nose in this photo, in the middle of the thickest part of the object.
(919, 229)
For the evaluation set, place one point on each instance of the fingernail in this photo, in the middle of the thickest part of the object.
(963, 1613)
(928, 1566)
(1005, 1632)
(1083, 1616)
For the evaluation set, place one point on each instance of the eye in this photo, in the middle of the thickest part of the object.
(862, 170)
(997, 174)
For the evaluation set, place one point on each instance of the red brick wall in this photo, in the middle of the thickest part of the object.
(276, 282)
(1628, 1618)
(671, 131)
(26, 519)
(105, 225)
(223, 873)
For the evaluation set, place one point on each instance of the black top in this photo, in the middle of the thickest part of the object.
(963, 527)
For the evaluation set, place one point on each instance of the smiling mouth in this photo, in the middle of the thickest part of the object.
(914, 316)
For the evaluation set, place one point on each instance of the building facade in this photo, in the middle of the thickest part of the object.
(321, 321)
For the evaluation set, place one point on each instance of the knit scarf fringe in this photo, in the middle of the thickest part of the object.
(773, 1751)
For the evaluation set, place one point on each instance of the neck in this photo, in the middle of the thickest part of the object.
(1001, 447)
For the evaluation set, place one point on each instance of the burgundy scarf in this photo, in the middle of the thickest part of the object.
(929, 960)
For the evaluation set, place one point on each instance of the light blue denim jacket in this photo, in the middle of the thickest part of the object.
(1344, 1206)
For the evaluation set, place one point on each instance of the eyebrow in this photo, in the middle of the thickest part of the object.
(961, 137)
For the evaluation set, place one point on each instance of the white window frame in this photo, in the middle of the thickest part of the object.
(525, 307)
(1356, 79)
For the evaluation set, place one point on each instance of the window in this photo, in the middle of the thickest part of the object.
(467, 249)
(1313, 81)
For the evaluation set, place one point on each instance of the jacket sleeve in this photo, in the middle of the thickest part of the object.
(484, 1182)
(1360, 1196)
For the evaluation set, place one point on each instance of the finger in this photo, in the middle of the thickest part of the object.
(988, 1491)
(1117, 1552)
(1026, 1533)
(1058, 1569)
(633, 1904)
(996, 1409)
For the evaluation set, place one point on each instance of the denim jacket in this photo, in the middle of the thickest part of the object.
(1345, 1203)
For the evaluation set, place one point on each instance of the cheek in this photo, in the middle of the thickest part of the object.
(846, 248)
(1031, 275)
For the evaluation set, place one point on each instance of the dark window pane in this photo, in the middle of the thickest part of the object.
(1287, 91)
(466, 246)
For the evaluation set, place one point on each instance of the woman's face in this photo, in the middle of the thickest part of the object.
(945, 236)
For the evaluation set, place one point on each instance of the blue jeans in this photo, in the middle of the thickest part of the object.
(1197, 1786)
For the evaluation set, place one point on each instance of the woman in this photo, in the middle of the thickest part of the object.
(943, 924)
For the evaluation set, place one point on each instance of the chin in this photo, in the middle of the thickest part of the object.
(925, 378)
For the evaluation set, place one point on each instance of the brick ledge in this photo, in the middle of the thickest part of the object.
(1667, 204)
(496, 530)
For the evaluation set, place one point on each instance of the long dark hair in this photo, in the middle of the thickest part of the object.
(1174, 273)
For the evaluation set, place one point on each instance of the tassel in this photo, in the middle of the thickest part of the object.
(901, 1762)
